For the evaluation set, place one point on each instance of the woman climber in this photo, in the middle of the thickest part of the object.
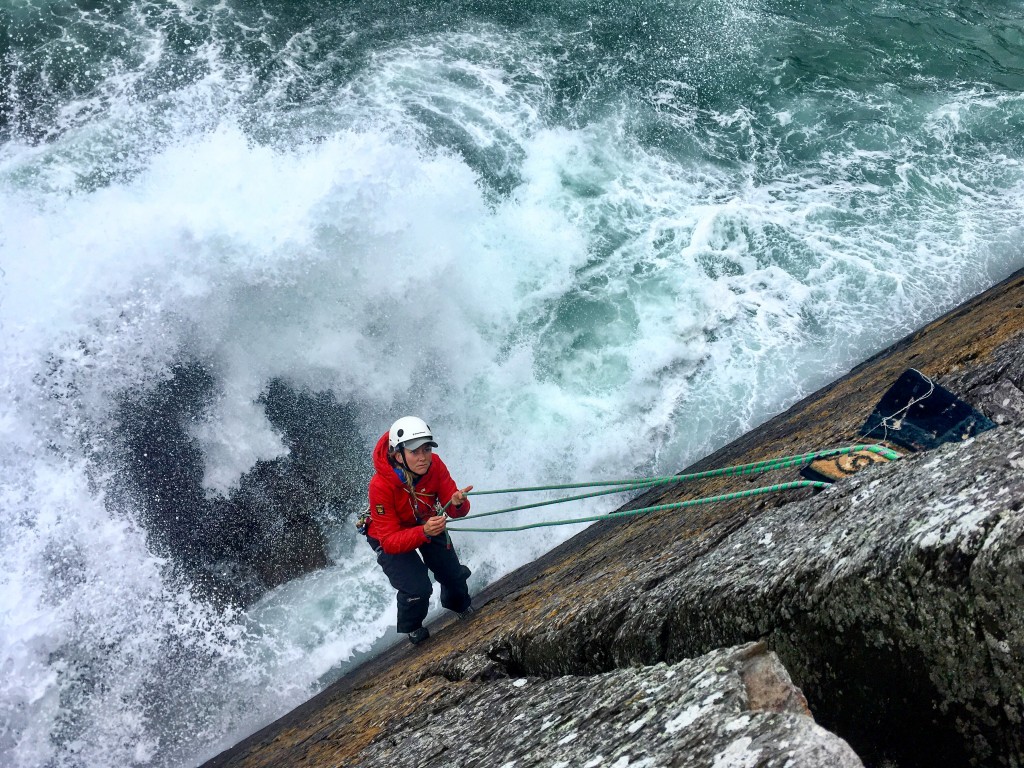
(411, 496)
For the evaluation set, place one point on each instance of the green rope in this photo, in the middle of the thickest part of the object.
(620, 486)
(620, 489)
(648, 510)
(754, 468)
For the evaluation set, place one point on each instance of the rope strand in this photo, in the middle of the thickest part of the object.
(648, 510)
(620, 486)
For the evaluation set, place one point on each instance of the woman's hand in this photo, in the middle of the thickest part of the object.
(435, 525)
(460, 496)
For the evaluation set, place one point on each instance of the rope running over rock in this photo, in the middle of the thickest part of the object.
(620, 486)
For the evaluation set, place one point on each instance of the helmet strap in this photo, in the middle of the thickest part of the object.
(410, 477)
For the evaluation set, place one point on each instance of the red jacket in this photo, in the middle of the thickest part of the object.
(393, 521)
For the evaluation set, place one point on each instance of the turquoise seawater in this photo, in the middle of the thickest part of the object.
(583, 239)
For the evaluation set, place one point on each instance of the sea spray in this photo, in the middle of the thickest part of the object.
(583, 240)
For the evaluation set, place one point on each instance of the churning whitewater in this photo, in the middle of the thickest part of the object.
(582, 239)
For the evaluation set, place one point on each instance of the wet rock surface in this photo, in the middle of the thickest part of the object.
(234, 547)
(729, 707)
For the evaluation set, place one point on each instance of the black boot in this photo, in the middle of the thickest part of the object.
(419, 635)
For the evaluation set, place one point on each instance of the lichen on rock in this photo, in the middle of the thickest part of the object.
(893, 598)
(733, 707)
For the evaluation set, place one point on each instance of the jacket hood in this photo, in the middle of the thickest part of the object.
(380, 459)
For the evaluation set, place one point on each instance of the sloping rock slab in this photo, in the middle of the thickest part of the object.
(995, 386)
(895, 599)
(734, 707)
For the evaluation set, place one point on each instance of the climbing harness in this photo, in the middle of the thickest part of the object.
(620, 486)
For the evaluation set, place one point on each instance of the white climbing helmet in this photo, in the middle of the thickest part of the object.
(410, 432)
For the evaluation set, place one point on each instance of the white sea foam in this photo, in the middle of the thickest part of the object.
(561, 301)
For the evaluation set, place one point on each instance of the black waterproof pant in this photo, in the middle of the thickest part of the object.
(407, 573)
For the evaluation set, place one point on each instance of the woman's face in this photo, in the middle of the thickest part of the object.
(418, 460)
